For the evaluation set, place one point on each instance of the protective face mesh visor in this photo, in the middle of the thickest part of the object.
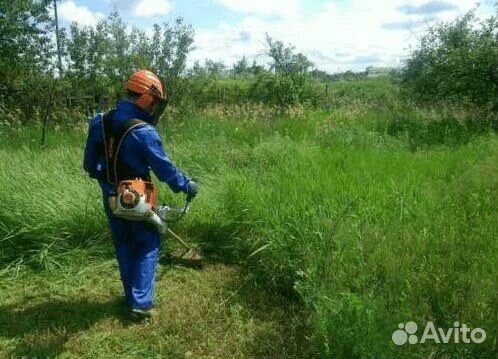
(161, 105)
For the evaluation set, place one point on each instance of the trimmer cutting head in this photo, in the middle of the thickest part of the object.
(187, 257)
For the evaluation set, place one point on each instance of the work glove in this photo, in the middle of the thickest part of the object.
(192, 189)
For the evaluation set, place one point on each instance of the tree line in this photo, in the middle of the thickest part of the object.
(455, 62)
(96, 61)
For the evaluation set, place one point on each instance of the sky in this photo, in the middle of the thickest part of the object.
(336, 35)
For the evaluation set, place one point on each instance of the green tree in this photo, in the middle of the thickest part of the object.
(456, 62)
(87, 53)
(241, 68)
(290, 82)
(256, 69)
(24, 41)
(171, 44)
(100, 59)
(118, 59)
(283, 58)
(26, 54)
(215, 68)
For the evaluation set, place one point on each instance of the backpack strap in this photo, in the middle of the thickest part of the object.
(113, 142)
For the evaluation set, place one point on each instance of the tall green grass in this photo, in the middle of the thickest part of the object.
(372, 228)
(372, 238)
(367, 229)
(47, 205)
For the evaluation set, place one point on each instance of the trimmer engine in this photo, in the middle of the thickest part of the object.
(135, 201)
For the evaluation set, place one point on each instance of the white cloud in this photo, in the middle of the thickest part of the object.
(152, 8)
(281, 8)
(69, 11)
(342, 36)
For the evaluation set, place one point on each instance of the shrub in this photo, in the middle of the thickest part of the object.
(283, 89)
(456, 62)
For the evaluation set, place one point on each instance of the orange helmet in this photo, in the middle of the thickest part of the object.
(147, 85)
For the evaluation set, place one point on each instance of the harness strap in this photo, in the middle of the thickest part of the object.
(112, 144)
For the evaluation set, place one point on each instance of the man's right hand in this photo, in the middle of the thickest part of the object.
(192, 189)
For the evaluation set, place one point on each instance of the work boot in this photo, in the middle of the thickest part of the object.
(142, 314)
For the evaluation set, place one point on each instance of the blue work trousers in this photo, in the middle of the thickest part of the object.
(137, 248)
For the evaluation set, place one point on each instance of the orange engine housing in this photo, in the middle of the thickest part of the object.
(142, 188)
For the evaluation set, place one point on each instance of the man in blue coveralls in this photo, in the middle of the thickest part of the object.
(141, 150)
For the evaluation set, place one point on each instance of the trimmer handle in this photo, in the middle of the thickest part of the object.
(192, 190)
(162, 212)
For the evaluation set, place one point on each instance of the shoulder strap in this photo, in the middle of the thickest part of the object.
(113, 142)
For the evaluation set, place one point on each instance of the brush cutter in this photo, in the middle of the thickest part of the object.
(189, 255)
(134, 200)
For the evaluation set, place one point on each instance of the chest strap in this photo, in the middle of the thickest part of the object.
(112, 145)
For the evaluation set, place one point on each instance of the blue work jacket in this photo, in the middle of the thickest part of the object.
(141, 150)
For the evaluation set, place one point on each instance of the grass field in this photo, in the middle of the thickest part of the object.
(323, 231)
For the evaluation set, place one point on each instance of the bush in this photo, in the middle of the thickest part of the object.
(456, 62)
(283, 89)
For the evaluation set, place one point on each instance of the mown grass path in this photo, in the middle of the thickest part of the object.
(208, 313)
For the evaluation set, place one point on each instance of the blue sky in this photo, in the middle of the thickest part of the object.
(337, 35)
